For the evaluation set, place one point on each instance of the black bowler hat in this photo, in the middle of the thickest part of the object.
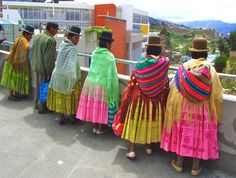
(106, 36)
(52, 24)
(29, 29)
(74, 30)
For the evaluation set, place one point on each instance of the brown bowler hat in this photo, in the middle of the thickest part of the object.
(154, 41)
(199, 45)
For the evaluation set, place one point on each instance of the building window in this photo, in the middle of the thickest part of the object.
(26, 14)
(137, 18)
(77, 16)
(145, 19)
(70, 16)
(136, 27)
(36, 14)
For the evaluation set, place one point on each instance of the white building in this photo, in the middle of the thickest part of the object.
(63, 13)
(81, 14)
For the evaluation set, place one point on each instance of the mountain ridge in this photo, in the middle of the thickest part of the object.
(220, 26)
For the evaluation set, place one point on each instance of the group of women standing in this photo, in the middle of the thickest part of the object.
(182, 114)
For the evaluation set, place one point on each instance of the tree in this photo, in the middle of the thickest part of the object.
(220, 63)
(232, 41)
(223, 46)
(167, 35)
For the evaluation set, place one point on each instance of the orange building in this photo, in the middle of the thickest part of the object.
(105, 15)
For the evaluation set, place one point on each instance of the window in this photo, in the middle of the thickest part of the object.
(77, 16)
(136, 27)
(136, 18)
(145, 19)
(70, 16)
(25, 14)
(36, 14)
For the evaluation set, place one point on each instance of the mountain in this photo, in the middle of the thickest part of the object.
(160, 22)
(218, 25)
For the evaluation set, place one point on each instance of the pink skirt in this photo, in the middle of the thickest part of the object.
(197, 139)
(93, 109)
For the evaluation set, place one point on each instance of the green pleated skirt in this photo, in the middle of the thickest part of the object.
(16, 80)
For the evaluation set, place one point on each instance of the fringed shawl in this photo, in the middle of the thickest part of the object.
(194, 85)
(103, 74)
(67, 69)
(134, 97)
(176, 101)
(152, 74)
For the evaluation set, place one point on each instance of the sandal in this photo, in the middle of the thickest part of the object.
(177, 168)
(94, 130)
(62, 122)
(196, 172)
(12, 98)
(98, 132)
(149, 151)
(73, 121)
(130, 155)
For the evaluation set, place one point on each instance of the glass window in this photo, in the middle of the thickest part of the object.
(31, 14)
(44, 15)
(36, 14)
(136, 18)
(77, 16)
(70, 16)
(136, 27)
(25, 14)
(145, 19)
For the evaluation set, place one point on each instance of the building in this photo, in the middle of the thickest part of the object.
(37, 14)
(27, 0)
(137, 31)
(55, 1)
(130, 26)
(1, 15)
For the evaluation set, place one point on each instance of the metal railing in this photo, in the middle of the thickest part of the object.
(129, 62)
(7, 42)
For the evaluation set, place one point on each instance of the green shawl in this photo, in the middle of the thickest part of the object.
(103, 74)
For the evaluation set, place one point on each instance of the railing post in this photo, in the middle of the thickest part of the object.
(89, 61)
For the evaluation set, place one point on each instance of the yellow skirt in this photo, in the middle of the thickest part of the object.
(141, 128)
(64, 104)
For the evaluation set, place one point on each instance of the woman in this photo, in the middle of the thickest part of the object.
(143, 104)
(100, 95)
(65, 85)
(16, 71)
(194, 109)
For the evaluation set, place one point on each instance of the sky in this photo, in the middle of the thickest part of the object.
(182, 10)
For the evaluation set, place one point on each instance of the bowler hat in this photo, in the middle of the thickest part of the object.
(28, 29)
(154, 41)
(106, 36)
(74, 30)
(199, 45)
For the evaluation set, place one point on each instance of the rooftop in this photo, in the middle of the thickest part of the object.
(34, 145)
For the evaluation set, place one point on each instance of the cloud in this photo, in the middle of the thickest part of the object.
(182, 10)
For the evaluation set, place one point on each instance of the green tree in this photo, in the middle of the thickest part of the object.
(166, 33)
(232, 41)
(223, 46)
(220, 63)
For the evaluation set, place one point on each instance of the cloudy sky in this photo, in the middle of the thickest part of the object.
(182, 10)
